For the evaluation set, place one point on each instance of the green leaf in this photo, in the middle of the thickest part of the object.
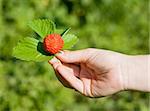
(65, 32)
(62, 32)
(31, 49)
(42, 27)
(59, 31)
(69, 41)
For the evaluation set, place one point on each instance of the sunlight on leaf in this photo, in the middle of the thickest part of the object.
(42, 27)
(69, 41)
(30, 49)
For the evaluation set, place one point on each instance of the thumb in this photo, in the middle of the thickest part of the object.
(73, 56)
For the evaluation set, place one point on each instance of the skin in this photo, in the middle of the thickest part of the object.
(97, 73)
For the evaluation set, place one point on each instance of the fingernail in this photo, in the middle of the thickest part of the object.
(52, 61)
(60, 53)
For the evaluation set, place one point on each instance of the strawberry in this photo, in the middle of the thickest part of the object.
(53, 43)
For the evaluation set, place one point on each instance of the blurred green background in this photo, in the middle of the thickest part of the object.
(119, 25)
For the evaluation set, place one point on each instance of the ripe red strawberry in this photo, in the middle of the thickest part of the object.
(53, 43)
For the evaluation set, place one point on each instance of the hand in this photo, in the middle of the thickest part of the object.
(96, 73)
(92, 72)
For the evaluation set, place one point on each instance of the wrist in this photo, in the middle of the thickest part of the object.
(135, 73)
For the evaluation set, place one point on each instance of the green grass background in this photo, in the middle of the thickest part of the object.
(119, 25)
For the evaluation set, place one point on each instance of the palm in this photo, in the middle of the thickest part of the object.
(95, 82)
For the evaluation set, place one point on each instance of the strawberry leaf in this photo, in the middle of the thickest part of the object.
(69, 41)
(65, 32)
(31, 49)
(42, 27)
(59, 31)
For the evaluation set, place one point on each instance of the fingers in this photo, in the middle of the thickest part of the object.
(75, 68)
(72, 67)
(70, 77)
(86, 78)
(55, 63)
(62, 80)
(73, 56)
(67, 75)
